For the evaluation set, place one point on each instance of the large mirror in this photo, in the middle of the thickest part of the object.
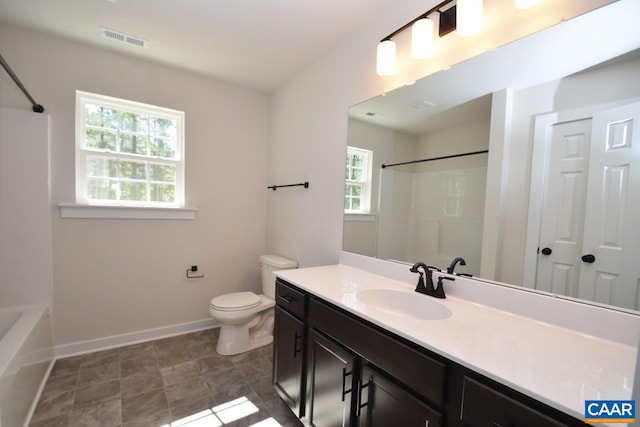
(524, 161)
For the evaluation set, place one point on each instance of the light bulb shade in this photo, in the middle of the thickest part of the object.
(386, 63)
(421, 38)
(468, 17)
(525, 4)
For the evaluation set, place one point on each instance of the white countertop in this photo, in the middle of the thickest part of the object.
(558, 366)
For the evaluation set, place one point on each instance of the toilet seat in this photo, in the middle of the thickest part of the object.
(235, 301)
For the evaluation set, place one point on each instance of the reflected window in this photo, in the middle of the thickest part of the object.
(357, 195)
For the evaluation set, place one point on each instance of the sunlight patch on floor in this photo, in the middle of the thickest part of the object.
(235, 409)
(224, 414)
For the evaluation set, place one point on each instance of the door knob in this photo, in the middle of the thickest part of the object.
(546, 251)
(589, 258)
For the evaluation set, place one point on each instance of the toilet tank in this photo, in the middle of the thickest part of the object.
(269, 264)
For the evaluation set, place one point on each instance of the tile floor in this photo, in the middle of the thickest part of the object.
(161, 383)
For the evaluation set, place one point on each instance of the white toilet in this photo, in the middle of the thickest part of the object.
(247, 318)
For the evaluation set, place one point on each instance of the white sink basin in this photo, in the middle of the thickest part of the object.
(404, 304)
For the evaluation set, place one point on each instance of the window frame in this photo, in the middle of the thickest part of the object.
(82, 153)
(365, 183)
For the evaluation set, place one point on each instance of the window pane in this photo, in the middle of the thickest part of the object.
(162, 192)
(101, 116)
(347, 196)
(357, 161)
(136, 191)
(134, 122)
(103, 140)
(132, 170)
(355, 204)
(356, 174)
(134, 144)
(162, 173)
(102, 167)
(163, 148)
(129, 152)
(103, 189)
(164, 128)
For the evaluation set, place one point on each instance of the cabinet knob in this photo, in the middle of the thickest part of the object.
(546, 251)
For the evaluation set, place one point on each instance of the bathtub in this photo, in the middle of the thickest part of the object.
(26, 356)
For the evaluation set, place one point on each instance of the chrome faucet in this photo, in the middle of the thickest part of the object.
(427, 288)
(453, 264)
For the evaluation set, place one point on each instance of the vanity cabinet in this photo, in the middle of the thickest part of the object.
(288, 349)
(343, 390)
(356, 374)
(330, 383)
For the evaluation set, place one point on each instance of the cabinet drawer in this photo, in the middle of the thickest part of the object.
(421, 373)
(290, 299)
(483, 406)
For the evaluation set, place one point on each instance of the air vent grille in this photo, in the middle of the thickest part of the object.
(123, 38)
(422, 105)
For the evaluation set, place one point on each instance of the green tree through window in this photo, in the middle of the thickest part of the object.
(129, 153)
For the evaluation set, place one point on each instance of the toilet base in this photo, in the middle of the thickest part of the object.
(236, 339)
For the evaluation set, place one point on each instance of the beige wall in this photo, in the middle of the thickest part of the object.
(119, 276)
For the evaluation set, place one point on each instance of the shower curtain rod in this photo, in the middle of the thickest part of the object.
(436, 158)
(35, 106)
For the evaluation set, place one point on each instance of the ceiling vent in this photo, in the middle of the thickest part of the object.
(123, 38)
(422, 105)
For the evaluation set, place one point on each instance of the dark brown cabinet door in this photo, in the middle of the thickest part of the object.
(484, 406)
(382, 403)
(288, 364)
(330, 378)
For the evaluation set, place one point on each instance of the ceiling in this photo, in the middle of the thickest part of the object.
(260, 44)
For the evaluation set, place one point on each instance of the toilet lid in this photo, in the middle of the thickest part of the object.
(235, 301)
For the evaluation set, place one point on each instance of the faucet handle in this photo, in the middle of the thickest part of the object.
(439, 292)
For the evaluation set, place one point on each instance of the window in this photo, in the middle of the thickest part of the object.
(357, 196)
(128, 153)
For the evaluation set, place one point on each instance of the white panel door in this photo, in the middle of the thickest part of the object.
(562, 219)
(610, 270)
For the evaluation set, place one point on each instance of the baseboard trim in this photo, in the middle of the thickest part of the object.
(114, 341)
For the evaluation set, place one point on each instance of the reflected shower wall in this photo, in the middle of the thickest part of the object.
(432, 216)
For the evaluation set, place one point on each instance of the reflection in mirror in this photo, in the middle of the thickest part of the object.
(432, 208)
(559, 185)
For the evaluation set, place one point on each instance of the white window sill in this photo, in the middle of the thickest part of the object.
(359, 216)
(73, 210)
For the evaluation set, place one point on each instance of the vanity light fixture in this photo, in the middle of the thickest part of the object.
(422, 33)
(465, 16)
(422, 38)
(386, 63)
(469, 17)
